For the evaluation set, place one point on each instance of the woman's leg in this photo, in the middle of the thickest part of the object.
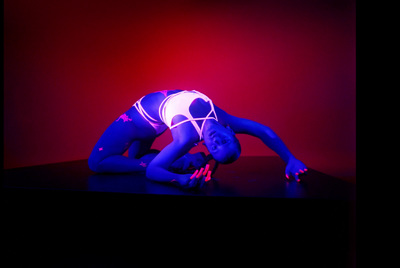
(142, 151)
(139, 149)
(107, 154)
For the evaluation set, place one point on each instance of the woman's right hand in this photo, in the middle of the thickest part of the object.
(199, 177)
(185, 182)
(195, 160)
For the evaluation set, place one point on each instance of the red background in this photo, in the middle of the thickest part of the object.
(72, 67)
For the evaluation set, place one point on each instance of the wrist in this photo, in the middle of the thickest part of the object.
(289, 158)
(181, 179)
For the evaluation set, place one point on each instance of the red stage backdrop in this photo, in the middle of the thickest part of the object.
(72, 67)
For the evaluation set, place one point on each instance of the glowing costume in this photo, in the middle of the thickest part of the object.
(160, 127)
(177, 104)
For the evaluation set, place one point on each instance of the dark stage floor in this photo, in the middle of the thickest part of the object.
(247, 177)
(248, 206)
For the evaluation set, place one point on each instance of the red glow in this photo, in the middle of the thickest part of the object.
(74, 66)
(200, 173)
(194, 174)
(164, 92)
(208, 176)
(206, 169)
(124, 118)
(143, 164)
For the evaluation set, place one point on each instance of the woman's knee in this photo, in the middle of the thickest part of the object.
(94, 164)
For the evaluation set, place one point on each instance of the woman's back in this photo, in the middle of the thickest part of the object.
(151, 102)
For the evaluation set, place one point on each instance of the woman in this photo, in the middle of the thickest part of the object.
(192, 117)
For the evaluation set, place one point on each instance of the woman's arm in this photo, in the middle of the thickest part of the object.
(268, 137)
(158, 168)
(264, 133)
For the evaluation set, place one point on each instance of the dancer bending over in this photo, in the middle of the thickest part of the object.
(192, 117)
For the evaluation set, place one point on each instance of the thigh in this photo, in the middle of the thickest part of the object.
(129, 128)
(115, 140)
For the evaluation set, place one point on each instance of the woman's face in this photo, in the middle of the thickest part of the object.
(222, 143)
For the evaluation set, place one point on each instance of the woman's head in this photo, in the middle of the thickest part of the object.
(222, 143)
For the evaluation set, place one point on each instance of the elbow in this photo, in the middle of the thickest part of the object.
(155, 173)
(270, 133)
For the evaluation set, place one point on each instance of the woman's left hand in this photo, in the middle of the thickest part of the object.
(295, 168)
